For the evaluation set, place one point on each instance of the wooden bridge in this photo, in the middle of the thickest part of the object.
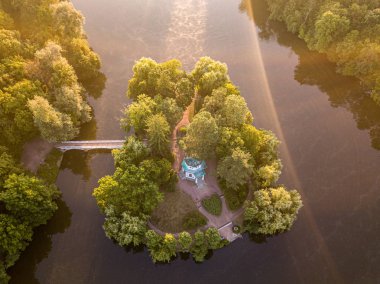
(90, 145)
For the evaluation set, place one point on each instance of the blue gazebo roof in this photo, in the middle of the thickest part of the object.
(194, 166)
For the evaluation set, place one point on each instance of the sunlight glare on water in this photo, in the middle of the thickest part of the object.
(186, 32)
(263, 84)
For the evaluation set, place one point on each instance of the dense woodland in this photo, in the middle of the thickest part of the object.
(45, 61)
(347, 31)
(221, 128)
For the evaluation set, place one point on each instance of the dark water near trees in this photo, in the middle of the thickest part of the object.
(325, 121)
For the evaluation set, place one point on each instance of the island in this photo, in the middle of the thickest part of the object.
(196, 172)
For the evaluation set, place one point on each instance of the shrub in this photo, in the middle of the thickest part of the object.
(194, 220)
(182, 131)
(213, 204)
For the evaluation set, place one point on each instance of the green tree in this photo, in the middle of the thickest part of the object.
(169, 108)
(251, 137)
(158, 130)
(133, 151)
(234, 112)
(184, 241)
(208, 75)
(161, 249)
(124, 228)
(6, 21)
(129, 189)
(69, 100)
(215, 102)
(14, 237)
(328, 28)
(137, 113)
(267, 175)
(267, 148)
(53, 125)
(213, 238)
(9, 43)
(199, 248)
(8, 166)
(201, 137)
(4, 278)
(83, 59)
(229, 139)
(16, 120)
(68, 22)
(272, 211)
(29, 199)
(160, 171)
(184, 92)
(152, 78)
(236, 169)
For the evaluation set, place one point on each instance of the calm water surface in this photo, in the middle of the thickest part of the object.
(328, 127)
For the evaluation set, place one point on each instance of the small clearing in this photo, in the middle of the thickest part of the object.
(169, 214)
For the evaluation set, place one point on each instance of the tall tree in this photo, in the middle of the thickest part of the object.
(157, 131)
(129, 189)
(184, 241)
(236, 169)
(29, 199)
(124, 228)
(53, 125)
(208, 75)
(199, 248)
(137, 113)
(201, 137)
(14, 237)
(272, 211)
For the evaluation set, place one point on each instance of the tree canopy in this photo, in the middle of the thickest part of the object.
(272, 211)
(347, 31)
(42, 51)
(201, 137)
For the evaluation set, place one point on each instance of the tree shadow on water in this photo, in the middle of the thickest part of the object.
(78, 162)
(95, 85)
(25, 268)
(314, 69)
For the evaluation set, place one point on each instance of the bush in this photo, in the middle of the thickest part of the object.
(182, 131)
(194, 220)
(213, 204)
(234, 197)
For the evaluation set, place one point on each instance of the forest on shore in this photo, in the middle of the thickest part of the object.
(348, 32)
(46, 70)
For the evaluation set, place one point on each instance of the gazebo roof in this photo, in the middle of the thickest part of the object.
(194, 166)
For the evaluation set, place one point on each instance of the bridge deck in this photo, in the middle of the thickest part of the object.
(90, 145)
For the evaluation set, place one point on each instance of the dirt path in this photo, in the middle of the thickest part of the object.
(175, 147)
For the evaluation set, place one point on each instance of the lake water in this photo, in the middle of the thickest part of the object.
(329, 128)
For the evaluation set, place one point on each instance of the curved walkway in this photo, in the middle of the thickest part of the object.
(223, 222)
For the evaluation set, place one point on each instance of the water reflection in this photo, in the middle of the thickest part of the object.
(26, 266)
(78, 162)
(95, 85)
(315, 70)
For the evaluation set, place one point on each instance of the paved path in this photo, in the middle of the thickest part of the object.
(224, 222)
(90, 145)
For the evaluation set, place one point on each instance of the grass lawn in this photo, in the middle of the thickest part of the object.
(169, 214)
